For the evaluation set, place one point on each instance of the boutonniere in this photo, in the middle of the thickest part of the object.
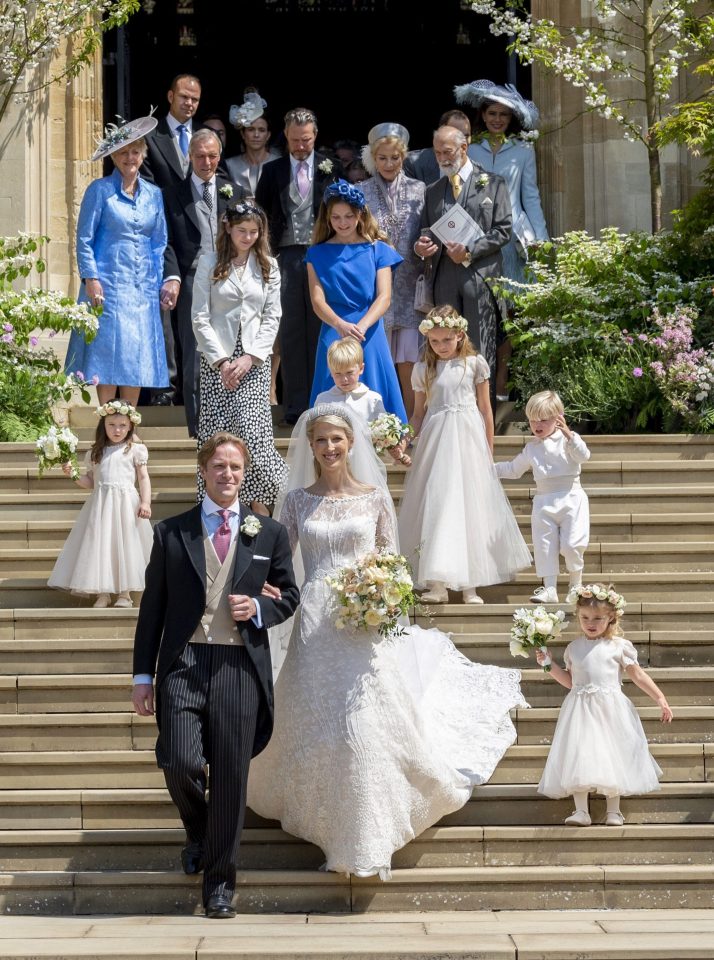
(251, 526)
(226, 191)
(325, 166)
(482, 181)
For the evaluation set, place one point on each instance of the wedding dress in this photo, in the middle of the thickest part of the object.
(375, 739)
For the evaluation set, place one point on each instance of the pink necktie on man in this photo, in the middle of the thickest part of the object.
(302, 178)
(222, 536)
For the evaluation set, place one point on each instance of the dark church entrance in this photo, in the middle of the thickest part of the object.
(354, 62)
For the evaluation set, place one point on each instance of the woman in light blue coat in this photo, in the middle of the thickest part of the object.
(504, 130)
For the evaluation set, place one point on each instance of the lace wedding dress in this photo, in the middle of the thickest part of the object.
(375, 739)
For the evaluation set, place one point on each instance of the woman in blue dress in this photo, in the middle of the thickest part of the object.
(121, 237)
(349, 268)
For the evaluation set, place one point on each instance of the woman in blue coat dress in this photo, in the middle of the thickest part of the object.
(505, 126)
(121, 238)
(349, 268)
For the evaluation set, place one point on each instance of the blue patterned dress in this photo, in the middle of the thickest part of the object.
(121, 242)
(348, 274)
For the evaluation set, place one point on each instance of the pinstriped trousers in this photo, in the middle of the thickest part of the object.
(207, 716)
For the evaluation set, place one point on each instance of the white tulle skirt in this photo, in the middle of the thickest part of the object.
(455, 522)
(599, 744)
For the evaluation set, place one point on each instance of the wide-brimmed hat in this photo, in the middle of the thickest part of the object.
(479, 92)
(252, 107)
(116, 137)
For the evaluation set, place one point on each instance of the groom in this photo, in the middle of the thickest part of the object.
(202, 631)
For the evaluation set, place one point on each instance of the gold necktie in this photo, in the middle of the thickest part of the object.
(456, 184)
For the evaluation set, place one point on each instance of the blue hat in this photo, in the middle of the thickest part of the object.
(479, 92)
(342, 190)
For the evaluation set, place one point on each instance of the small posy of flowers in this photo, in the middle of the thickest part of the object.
(226, 191)
(532, 629)
(114, 407)
(251, 526)
(453, 323)
(326, 166)
(374, 593)
(597, 591)
(57, 447)
(387, 431)
(482, 180)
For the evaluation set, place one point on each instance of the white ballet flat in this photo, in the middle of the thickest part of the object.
(544, 595)
(123, 600)
(435, 595)
(470, 596)
(614, 819)
(103, 600)
(581, 818)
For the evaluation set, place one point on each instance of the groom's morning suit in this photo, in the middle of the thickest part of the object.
(291, 219)
(214, 687)
(465, 287)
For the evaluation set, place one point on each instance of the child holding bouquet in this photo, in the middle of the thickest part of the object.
(456, 526)
(599, 743)
(108, 548)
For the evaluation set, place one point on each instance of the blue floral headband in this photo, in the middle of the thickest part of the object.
(342, 190)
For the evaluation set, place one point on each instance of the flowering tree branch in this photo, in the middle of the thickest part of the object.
(32, 32)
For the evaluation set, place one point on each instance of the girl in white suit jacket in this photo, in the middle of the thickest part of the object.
(236, 315)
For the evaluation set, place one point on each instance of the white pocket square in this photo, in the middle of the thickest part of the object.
(486, 200)
(257, 556)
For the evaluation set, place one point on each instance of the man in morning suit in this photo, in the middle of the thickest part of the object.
(194, 208)
(202, 634)
(422, 164)
(460, 271)
(290, 190)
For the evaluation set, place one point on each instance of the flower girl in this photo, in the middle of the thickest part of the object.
(599, 743)
(456, 526)
(109, 545)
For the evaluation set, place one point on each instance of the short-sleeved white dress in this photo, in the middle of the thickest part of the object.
(455, 522)
(108, 547)
(599, 743)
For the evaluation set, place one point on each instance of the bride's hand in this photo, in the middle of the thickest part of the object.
(270, 591)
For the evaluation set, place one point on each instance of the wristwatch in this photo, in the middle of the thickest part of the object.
(466, 262)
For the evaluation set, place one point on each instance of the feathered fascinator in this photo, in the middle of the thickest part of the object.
(480, 92)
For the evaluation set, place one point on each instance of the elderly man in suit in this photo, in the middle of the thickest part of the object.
(460, 270)
(290, 190)
(422, 164)
(194, 208)
(202, 631)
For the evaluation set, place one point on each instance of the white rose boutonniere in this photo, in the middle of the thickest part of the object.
(251, 526)
(226, 191)
(482, 181)
(325, 166)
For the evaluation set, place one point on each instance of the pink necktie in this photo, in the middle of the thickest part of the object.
(222, 536)
(303, 181)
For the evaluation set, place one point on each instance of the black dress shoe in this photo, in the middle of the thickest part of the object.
(219, 907)
(192, 858)
(161, 400)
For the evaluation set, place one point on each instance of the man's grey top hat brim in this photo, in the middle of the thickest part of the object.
(116, 138)
(479, 92)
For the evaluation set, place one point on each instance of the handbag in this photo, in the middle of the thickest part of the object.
(424, 291)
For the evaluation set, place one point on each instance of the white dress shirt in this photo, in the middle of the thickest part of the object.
(200, 184)
(174, 125)
(310, 161)
(363, 401)
(552, 459)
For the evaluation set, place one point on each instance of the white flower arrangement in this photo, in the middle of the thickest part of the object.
(387, 431)
(251, 526)
(528, 136)
(452, 323)
(57, 447)
(597, 591)
(374, 593)
(226, 191)
(114, 407)
(531, 630)
(482, 180)
(326, 166)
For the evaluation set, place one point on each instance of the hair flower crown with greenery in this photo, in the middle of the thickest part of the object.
(453, 322)
(119, 407)
(596, 591)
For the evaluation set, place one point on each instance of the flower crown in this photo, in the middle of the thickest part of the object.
(341, 190)
(596, 591)
(452, 322)
(114, 407)
(242, 209)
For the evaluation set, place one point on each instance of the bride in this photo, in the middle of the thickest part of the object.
(375, 739)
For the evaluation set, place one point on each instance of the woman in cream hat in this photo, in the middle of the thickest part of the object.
(396, 201)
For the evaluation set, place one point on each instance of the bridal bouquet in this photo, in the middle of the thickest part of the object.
(387, 431)
(531, 630)
(57, 447)
(374, 593)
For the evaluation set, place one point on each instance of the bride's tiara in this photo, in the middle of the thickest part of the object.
(329, 410)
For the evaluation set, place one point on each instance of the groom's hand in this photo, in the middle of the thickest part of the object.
(143, 699)
(242, 608)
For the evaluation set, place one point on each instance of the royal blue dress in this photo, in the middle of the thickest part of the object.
(121, 242)
(348, 274)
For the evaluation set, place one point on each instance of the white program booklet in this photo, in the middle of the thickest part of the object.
(457, 226)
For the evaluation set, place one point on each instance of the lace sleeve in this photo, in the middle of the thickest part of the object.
(288, 518)
(386, 532)
(626, 655)
(140, 454)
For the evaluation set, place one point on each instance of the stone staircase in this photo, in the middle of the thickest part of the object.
(86, 826)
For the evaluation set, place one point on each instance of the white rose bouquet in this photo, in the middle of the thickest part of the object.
(387, 431)
(58, 447)
(374, 593)
(531, 630)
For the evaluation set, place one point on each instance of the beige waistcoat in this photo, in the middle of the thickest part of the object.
(217, 625)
